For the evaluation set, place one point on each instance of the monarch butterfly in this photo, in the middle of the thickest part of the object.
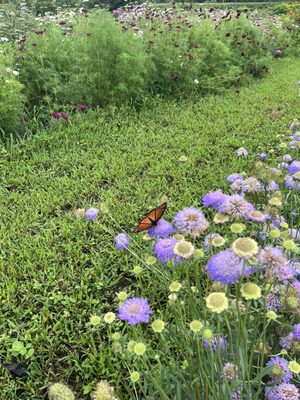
(151, 218)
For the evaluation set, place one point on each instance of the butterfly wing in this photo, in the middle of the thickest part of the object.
(151, 218)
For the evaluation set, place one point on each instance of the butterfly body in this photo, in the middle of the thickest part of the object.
(151, 218)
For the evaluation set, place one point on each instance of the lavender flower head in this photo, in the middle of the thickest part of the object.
(287, 158)
(257, 216)
(241, 152)
(289, 182)
(286, 341)
(272, 257)
(164, 250)
(294, 167)
(272, 186)
(296, 136)
(122, 241)
(214, 199)
(162, 228)
(239, 185)
(135, 310)
(190, 221)
(292, 144)
(236, 207)
(233, 177)
(216, 343)
(285, 273)
(284, 391)
(91, 214)
(296, 331)
(226, 267)
(263, 156)
(273, 301)
(252, 185)
(280, 373)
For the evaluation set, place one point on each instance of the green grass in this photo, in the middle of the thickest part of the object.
(57, 271)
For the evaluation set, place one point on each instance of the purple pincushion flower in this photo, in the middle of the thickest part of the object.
(236, 207)
(162, 228)
(216, 343)
(272, 257)
(135, 310)
(286, 341)
(233, 177)
(272, 186)
(273, 301)
(242, 152)
(252, 185)
(91, 214)
(190, 221)
(294, 167)
(284, 391)
(81, 107)
(289, 182)
(263, 156)
(239, 185)
(296, 331)
(122, 241)
(226, 267)
(296, 136)
(164, 250)
(285, 273)
(214, 199)
(287, 158)
(292, 144)
(280, 373)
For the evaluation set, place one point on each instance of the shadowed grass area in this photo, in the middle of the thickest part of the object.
(56, 271)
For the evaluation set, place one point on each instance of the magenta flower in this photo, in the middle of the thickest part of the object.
(81, 107)
(64, 116)
(55, 115)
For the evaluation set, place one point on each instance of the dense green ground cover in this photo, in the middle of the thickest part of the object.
(57, 271)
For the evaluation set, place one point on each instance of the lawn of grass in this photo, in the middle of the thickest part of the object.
(57, 271)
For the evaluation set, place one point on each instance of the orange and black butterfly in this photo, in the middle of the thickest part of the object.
(151, 218)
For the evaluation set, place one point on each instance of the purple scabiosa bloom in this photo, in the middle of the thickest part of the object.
(91, 214)
(263, 156)
(233, 177)
(272, 257)
(239, 185)
(289, 182)
(252, 185)
(296, 136)
(284, 391)
(284, 273)
(277, 53)
(55, 115)
(292, 144)
(236, 394)
(272, 186)
(257, 216)
(282, 165)
(164, 250)
(208, 240)
(162, 228)
(242, 152)
(286, 341)
(214, 199)
(273, 302)
(236, 207)
(296, 331)
(22, 38)
(226, 267)
(216, 343)
(280, 372)
(135, 310)
(287, 158)
(190, 221)
(122, 241)
(294, 167)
